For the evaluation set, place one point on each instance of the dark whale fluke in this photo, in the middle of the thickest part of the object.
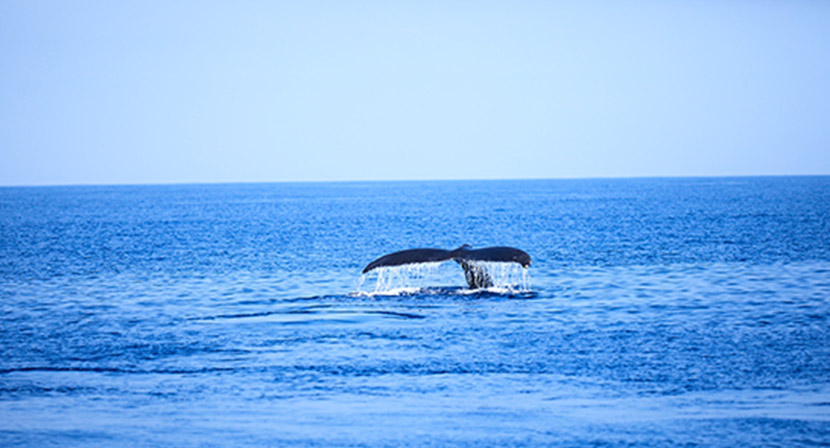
(464, 255)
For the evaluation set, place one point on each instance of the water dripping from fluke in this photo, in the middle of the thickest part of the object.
(422, 278)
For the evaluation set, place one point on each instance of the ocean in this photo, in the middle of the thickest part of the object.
(656, 312)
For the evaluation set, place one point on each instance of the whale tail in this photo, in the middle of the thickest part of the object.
(465, 256)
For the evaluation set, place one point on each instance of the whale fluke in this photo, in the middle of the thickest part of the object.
(410, 256)
(464, 255)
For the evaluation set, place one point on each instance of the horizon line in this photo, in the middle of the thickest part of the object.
(344, 181)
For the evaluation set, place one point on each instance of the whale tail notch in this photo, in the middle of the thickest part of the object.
(466, 256)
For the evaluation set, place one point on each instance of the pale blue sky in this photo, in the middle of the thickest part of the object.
(196, 91)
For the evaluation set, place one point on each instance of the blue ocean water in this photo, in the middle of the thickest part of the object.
(657, 312)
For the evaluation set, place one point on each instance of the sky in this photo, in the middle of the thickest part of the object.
(181, 91)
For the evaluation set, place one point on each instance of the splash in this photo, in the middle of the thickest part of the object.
(507, 278)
